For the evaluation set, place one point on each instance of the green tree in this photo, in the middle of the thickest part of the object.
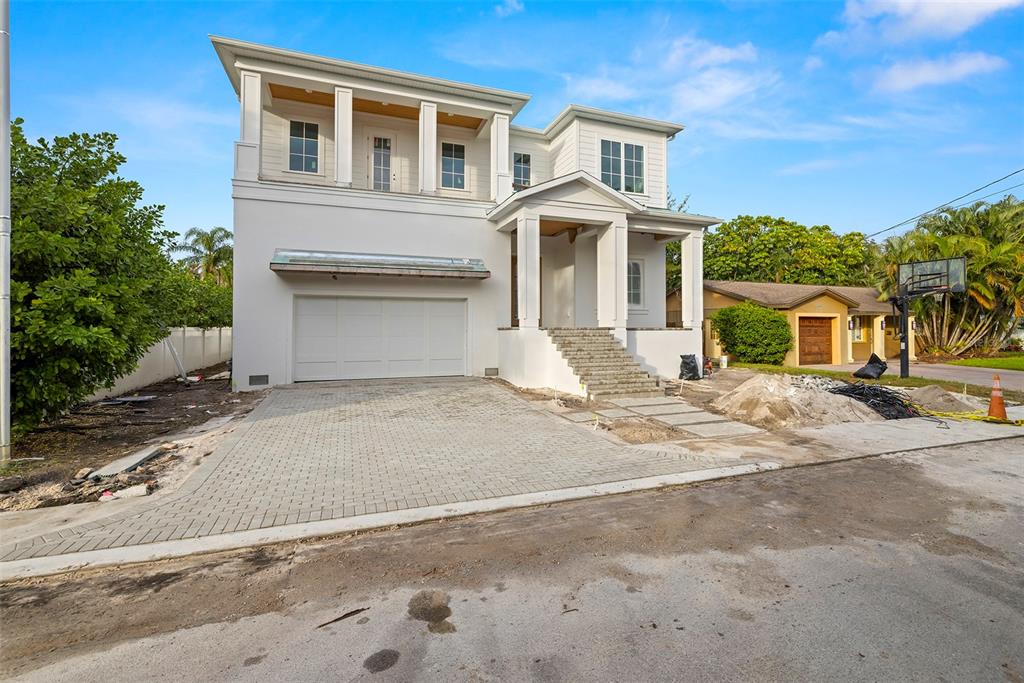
(991, 237)
(673, 250)
(768, 249)
(88, 267)
(198, 302)
(209, 253)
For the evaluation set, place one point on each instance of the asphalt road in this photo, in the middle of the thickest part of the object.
(902, 568)
(1008, 379)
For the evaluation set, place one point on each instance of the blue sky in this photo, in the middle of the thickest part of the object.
(856, 114)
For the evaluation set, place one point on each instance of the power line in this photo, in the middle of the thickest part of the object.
(991, 194)
(946, 204)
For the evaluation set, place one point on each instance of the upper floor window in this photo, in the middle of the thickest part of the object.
(622, 166)
(303, 147)
(453, 165)
(520, 171)
(635, 283)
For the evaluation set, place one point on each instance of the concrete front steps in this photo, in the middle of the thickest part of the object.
(604, 367)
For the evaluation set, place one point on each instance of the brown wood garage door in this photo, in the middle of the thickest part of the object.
(815, 341)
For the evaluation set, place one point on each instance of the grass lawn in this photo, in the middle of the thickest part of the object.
(887, 380)
(1004, 361)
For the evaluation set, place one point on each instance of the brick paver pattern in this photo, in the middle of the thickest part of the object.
(331, 450)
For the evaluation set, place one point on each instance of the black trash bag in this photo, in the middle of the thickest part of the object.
(688, 368)
(874, 368)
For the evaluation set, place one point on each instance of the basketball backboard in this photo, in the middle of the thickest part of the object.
(933, 277)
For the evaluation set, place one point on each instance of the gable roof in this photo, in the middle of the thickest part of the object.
(631, 205)
(785, 296)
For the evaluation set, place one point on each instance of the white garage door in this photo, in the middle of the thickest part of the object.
(348, 338)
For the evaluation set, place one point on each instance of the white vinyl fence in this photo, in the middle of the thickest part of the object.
(197, 348)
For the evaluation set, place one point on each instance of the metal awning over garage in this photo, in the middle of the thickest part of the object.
(349, 263)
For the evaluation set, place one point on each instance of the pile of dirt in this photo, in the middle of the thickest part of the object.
(786, 401)
(640, 430)
(936, 399)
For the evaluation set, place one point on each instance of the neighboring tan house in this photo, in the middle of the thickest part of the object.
(831, 325)
(389, 224)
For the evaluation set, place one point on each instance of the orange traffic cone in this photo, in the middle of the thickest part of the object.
(996, 406)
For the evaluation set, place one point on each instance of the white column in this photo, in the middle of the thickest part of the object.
(692, 285)
(343, 137)
(428, 148)
(247, 149)
(501, 178)
(528, 269)
(611, 277)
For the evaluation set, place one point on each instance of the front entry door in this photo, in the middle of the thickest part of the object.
(381, 169)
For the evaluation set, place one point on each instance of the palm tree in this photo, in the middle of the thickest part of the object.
(209, 254)
(991, 236)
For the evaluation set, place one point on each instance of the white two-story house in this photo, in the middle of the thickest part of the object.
(389, 224)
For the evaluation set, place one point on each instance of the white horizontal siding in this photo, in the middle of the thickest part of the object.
(274, 150)
(478, 162)
(564, 151)
(540, 163)
(591, 134)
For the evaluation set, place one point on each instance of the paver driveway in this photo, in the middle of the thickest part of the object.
(324, 451)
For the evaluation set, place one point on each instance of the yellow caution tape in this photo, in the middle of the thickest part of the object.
(976, 415)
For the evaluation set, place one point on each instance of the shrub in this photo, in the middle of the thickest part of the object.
(753, 334)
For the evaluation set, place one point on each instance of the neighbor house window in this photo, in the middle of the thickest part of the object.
(635, 283)
(857, 331)
(611, 164)
(453, 165)
(520, 171)
(303, 144)
(622, 166)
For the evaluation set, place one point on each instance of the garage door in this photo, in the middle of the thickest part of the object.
(350, 338)
(815, 341)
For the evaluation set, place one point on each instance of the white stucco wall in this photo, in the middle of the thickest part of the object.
(529, 358)
(557, 273)
(651, 255)
(267, 218)
(659, 351)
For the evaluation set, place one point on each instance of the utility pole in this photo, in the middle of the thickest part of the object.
(5, 230)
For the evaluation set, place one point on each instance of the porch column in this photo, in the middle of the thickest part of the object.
(247, 149)
(911, 338)
(878, 336)
(612, 247)
(501, 179)
(528, 269)
(849, 338)
(343, 137)
(691, 287)
(428, 148)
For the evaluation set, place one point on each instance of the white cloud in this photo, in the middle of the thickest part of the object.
(806, 167)
(893, 21)
(714, 89)
(696, 54)
(598, 88)
(904, 76)
(508, 8)
(812, 64)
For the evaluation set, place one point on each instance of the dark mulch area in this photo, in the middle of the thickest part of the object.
(92, 435)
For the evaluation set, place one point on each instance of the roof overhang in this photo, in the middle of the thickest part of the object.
(393, 265)
(230, 51)
(537, 192)
(577, 111)
(783, 305)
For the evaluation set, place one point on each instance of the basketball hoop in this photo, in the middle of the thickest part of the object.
(919, 279)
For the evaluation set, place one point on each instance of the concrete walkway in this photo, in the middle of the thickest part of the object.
(1010, 379)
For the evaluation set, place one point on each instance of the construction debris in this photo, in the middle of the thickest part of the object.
(788, 401)
(935, 399)
(889, 403)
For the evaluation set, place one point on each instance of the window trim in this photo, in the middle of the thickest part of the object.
(321, 143)
(643, 277)
(529, 170)
(440, 164)
(622, 165)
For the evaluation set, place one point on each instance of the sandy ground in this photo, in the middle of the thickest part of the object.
(903, 568)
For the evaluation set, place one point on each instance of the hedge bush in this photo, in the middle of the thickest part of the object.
(753, 334)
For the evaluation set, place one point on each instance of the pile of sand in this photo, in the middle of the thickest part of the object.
(785, 401)
(937, 399)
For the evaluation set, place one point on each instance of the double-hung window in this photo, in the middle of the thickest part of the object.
(453, 166)
(622, 166)
(520, 171)
(303, 147)
(635, 283)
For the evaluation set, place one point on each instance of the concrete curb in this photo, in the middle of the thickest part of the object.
(41, 566)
